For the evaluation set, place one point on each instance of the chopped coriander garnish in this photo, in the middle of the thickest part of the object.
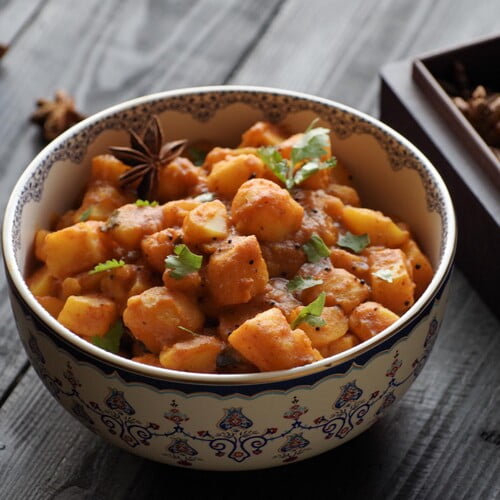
(196, 155)
(311, 168)
(313, 144)
(205, 197)
(146, 203)
(106, 266)
(354, 242)
(299, 283)
(384, 274)
(110, 341)
(311, 313)
(315, 249)
(310, 148)
(276, 163)
(84, 216)
(187, 330)
(183, 262)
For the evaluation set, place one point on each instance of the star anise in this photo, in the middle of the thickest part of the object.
(56, 116)
(146, 154)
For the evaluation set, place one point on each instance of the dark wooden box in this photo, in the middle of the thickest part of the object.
(435, 73)
(423, 113)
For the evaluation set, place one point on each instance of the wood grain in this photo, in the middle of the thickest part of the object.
(15, 15)
(442, 440)
(341, 59)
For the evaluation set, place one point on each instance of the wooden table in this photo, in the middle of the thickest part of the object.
(443, 439)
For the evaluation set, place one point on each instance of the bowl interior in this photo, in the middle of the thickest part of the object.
(389, 173)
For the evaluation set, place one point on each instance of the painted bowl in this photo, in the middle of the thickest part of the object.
(232, 421)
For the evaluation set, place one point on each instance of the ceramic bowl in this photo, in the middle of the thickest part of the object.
(232, 421)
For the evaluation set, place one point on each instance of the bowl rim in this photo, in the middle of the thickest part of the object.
(440, 275)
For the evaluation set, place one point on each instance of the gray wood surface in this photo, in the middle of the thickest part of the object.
(442, 441)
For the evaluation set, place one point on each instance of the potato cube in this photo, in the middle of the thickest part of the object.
(336, 326)
(52, 305)
(107, 168)
(130, 223)
(218, 154)
(391, 281)
(155, 315)
(269, 343)
(228, 175)
(283, 258)
(347, 194)
(157, 246)
(422, 268)
(123, 282)
(42, 282)
(190, 284)
(380, 228)
(177, 179)
(100, 201)
(198, 354)
(340, 345)
(262, 134)
(76, 248)
(175, 211)
(355, 264)
(370, 318)
(341, 287)
(263, 208)
(237, 271)
(88, 316)
(205, 223)
(40, 244)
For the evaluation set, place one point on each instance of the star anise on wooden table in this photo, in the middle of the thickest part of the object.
(56, 116)
(146, 155)
(3, 49)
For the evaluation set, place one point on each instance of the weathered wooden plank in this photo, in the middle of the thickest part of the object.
(335, 49)
(118, 50)
(16, 15)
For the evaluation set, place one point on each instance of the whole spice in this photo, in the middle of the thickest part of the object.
(482, 110)
(146, 154)
(480, 106)
(56, 116)
(3, 49)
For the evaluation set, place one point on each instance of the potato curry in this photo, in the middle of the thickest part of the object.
(226, 260)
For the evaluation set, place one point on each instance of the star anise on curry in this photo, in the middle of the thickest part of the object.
(56, 116)
(146, 155)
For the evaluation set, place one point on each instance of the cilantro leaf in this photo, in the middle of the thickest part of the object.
(384, 274)
(180, 327)
(183, 262)
(106, 266)
(84, 216)
(204, 197)
(196, 155)
(313, 144)
(110, 341)
(275, 162)
(354, 242)
(146, 203)
(312, 313)
(311, 167)
(299, 283)
(315, 249)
